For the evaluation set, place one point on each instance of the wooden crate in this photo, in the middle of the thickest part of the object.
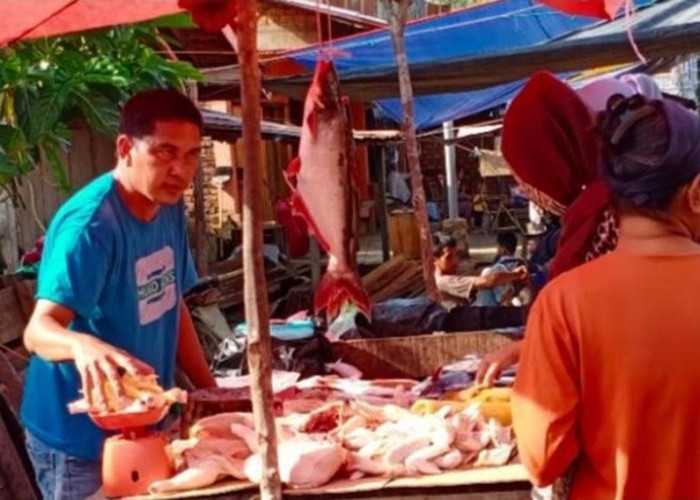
(415, 357)
(404, 238)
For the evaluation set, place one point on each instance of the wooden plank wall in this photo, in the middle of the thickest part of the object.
(90, 155)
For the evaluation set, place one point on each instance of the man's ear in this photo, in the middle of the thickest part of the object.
(693, 195)
(124, 146)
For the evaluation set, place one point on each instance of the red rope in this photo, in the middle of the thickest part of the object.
(629, 11)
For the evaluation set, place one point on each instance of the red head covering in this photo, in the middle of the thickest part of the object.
(550, 143)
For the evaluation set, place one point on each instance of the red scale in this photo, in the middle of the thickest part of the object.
(135, 458)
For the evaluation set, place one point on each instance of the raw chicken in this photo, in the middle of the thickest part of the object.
(303, 462)
(219, 426)
(205, 460)
(199, 473)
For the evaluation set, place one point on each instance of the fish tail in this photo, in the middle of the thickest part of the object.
(334, 292)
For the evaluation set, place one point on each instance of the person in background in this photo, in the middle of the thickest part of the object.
(459, 290)
(115, 264)
(478, 207)
(504, 262)
(550, 143)
(604, 381)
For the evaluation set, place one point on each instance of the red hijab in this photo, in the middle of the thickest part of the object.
(550, 143)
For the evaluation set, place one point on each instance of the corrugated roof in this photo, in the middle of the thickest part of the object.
(336, 12)
(224, 127)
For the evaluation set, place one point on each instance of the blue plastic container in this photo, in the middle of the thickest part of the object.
(291, 330)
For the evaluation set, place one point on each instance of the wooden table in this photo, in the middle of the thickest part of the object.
(495, 483)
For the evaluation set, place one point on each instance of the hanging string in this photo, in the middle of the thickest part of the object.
(319, 31)
(330, 26)
(629, 11)
(325, 47)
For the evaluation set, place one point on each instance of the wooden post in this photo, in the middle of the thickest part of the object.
(200, 226)
(199, 244)
(381, 205)
(398, 13)
(255, 287)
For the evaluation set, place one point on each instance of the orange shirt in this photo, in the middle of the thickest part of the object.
(610, 377)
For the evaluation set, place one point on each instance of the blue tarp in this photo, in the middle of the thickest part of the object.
(493, 28)
(499, 26)
(432, 110)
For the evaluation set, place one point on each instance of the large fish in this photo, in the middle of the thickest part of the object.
(324, 180)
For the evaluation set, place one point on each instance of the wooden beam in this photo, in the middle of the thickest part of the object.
(10, 385)
(199, 244)
(398, 10)
(381, 206)
(16, 482)
(255, 289)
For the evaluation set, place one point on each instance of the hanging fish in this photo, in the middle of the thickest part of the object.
(325, 180)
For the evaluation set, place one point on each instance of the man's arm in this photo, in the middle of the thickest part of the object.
(190, 355)
(48, 336)
(498, 279)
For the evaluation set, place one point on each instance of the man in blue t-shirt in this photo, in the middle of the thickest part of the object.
(109, 296)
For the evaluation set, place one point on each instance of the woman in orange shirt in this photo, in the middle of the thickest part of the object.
(607, 376)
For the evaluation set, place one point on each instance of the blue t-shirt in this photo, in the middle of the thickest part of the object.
(123, 278)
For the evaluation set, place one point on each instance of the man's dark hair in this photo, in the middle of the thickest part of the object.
(507, 240)
(441, 243)
(141, 112)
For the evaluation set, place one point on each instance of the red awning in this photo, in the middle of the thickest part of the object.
(23, 19)
(604, 9)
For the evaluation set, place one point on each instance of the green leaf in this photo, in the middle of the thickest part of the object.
(12, 141)
(58, 169)
(47, 83)
(182, 20)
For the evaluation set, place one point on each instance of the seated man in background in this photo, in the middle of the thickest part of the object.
(459, 290)
(505, 261)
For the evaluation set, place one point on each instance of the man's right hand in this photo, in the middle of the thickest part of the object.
(522, 274)
(98, 362)
(48, 336)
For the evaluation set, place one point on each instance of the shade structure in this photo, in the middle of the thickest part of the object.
(26, 19)
(663, 28)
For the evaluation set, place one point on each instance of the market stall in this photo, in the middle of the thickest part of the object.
(434, 431)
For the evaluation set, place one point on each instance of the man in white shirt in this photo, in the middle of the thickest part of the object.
(458, 290)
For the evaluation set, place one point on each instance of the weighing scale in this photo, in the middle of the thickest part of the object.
(135, 458)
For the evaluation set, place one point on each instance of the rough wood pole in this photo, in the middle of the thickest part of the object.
(255, 287)
(398, 13)
(199, 244)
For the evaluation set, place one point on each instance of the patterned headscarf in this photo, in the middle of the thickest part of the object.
(656, 183)
(550, 142)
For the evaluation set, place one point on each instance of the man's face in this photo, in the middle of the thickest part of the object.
(165, 162)
(448, 262)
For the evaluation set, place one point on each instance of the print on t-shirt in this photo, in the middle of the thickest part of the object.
(155, 280)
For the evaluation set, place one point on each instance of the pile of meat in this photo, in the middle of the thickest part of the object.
(139, 393)
(342, 439)
(314, 392)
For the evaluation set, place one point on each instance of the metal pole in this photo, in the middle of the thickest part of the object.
(452, 184)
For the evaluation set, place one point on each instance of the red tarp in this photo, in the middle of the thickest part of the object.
(21, 19)
(604, 9)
